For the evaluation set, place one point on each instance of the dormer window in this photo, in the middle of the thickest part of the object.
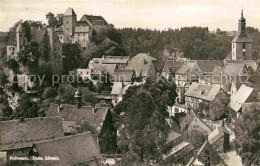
(202, 92)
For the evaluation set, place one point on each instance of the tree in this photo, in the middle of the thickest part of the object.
(218, 108)
(12, 64)
(141, 122)
(72, 52)
(26, 108)
(56, 21)
(197, 138)
(247, 133)
(29, 56)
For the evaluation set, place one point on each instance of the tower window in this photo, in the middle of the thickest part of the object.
(244, 45)
(67, 22)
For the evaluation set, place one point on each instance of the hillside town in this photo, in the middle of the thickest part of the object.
(64, 104)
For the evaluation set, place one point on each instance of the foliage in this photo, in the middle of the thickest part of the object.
(85, 126)
(56, 21)
(27, 27)
(29, 55)
(247, 133)
(218, 108)
(141, 122)
(194, 42)
(72, 51)
(26, 108)
(197, 138)
(12, 64)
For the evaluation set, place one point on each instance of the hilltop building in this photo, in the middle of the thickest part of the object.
(79, 31)
(50, 48)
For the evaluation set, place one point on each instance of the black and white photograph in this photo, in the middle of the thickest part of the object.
(129, 82)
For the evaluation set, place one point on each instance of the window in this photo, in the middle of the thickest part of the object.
(20, 35)
(84, 40)
(244, 46)
(67, 29)
(78, 40)
(67, 22)
(233, 45)
(84, 34)
(78, 34)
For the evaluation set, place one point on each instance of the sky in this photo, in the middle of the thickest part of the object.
(152, 14)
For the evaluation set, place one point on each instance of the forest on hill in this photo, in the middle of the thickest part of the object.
(194, 42)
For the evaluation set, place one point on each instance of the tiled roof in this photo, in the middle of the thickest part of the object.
(82, 23)
(16, 134)
(234, 69)
(189, 118)
(117, 88)
(99, 68)
(141, 64)
(37, 34)
(12, 37)
(69, 12)
(96, 20)
(82, 29)
(115, 60)
(123, 75)
(241, 38)
(207, 66)
(72, 116)
(213, 155)
(202, 91)
(240, 97)
(80, 148)
(217, 134)
(249, 63)
(172, 135)
(171, 66)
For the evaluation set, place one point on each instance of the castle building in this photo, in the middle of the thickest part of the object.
(73, 31)
(50, 48)
(241, 44)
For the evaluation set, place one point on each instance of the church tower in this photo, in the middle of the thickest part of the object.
(241, 44)
(69, 24)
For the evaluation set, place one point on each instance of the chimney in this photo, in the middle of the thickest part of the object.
(103, 57)
(21, 119)
(78, 99)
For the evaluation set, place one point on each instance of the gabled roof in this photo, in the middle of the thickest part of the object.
(82, 23)
(70, 12)
(115, 60)
(17, 135)
(95, 20)
(234, 69)
(189, 118)
(217, 134)
(202, 91)
(240, 97)
(82, 29)
(12, 37)
(171, 65)
(215, 159)
(123, 75)
(241, 38)
(172, 135)
(72, 116)
(141, 64)
(70, 112)
(207, 66)
(117, 88)
(249, 63)
(37, 34)
(99, 68)
(80, 148)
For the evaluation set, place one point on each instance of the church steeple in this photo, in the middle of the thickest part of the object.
(241, 44)
(242, 23)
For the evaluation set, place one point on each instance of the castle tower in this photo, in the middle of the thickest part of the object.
(78, 98)
(69, 23)
(241, 44)
(20, 37)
